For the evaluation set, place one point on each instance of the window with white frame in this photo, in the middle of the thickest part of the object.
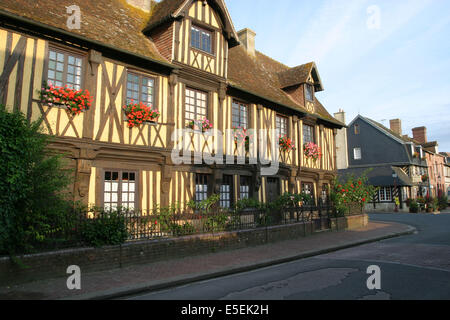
(201, 187)
(195, 104)
(357, 154)
(385, 194)
(226, 192)
(244, 188)
(119, 190)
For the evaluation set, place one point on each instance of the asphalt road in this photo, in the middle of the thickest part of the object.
(412, 267)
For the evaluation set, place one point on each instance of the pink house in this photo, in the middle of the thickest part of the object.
(436, 162)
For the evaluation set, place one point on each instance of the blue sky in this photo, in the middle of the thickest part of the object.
(383, 59)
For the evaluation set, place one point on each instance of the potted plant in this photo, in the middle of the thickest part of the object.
(286, 144)
(242, 137)
(200, 125)
(138, 113)
(76, 101)
(312, 151)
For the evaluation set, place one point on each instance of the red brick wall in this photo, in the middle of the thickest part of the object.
(163, 39)
(420, 134)
(297, 93)
(436, 173)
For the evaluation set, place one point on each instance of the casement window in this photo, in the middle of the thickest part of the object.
(65, 68)
(308, 134)
(385, 194)
(239, 115)
(201, 187)
(357, 129)
(201, 39)
(309, 92)
(244, 188)
(195, 105)
(282, 125)
(120, 190)
(308, 188)
(226, 192)
(140, 89)
(357, 154)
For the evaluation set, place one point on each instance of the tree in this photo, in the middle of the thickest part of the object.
(32, 183)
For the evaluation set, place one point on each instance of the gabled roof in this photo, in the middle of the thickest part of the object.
(386, 131)
(300, 75)
(259, 76)
(169, 10)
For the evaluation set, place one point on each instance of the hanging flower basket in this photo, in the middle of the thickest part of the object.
(76, 101)
(200, 125)
(242, 137)
(312, 151)
(286, 144)
(424, 178)
(138, 113)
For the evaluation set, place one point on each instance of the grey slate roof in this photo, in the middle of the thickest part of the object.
(379, 176)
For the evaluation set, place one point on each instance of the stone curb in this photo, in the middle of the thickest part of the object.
(184, 280)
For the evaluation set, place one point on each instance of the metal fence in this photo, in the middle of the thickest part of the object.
(141, 226)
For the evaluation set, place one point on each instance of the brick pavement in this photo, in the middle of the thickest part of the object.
(159, 275)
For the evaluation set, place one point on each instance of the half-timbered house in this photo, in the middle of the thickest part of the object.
(185, 59)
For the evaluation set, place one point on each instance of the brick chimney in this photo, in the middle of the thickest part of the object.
(247, 38)
(144, 5)
(420, 134)
(396, 126)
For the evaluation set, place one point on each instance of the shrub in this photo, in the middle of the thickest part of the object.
(109, 228)
(32, 203)
(354, 193)
(443, 202)
(413, 206)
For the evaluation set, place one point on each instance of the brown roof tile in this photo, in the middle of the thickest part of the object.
(112, 22)
(260, 76)
(162, 11)
(117, 24)
(295, 75)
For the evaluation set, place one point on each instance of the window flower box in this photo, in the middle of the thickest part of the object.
(200, 125)
(76, 101)
(286, 144)
(424, 178)
(312, 151)
(242, 137)
(138, 113)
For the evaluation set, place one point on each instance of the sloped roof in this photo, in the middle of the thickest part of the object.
(167, 10)
(299, 75)
(163, 11)
(405, 139)
(379, 176)
(260, 76)
(105, 21)
(119, 25)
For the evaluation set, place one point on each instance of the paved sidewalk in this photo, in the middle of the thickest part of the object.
(160, 275)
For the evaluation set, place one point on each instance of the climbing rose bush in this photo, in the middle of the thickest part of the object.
(354, 193)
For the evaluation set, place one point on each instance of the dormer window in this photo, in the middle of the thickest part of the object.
(201, 39)
(309, 92)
